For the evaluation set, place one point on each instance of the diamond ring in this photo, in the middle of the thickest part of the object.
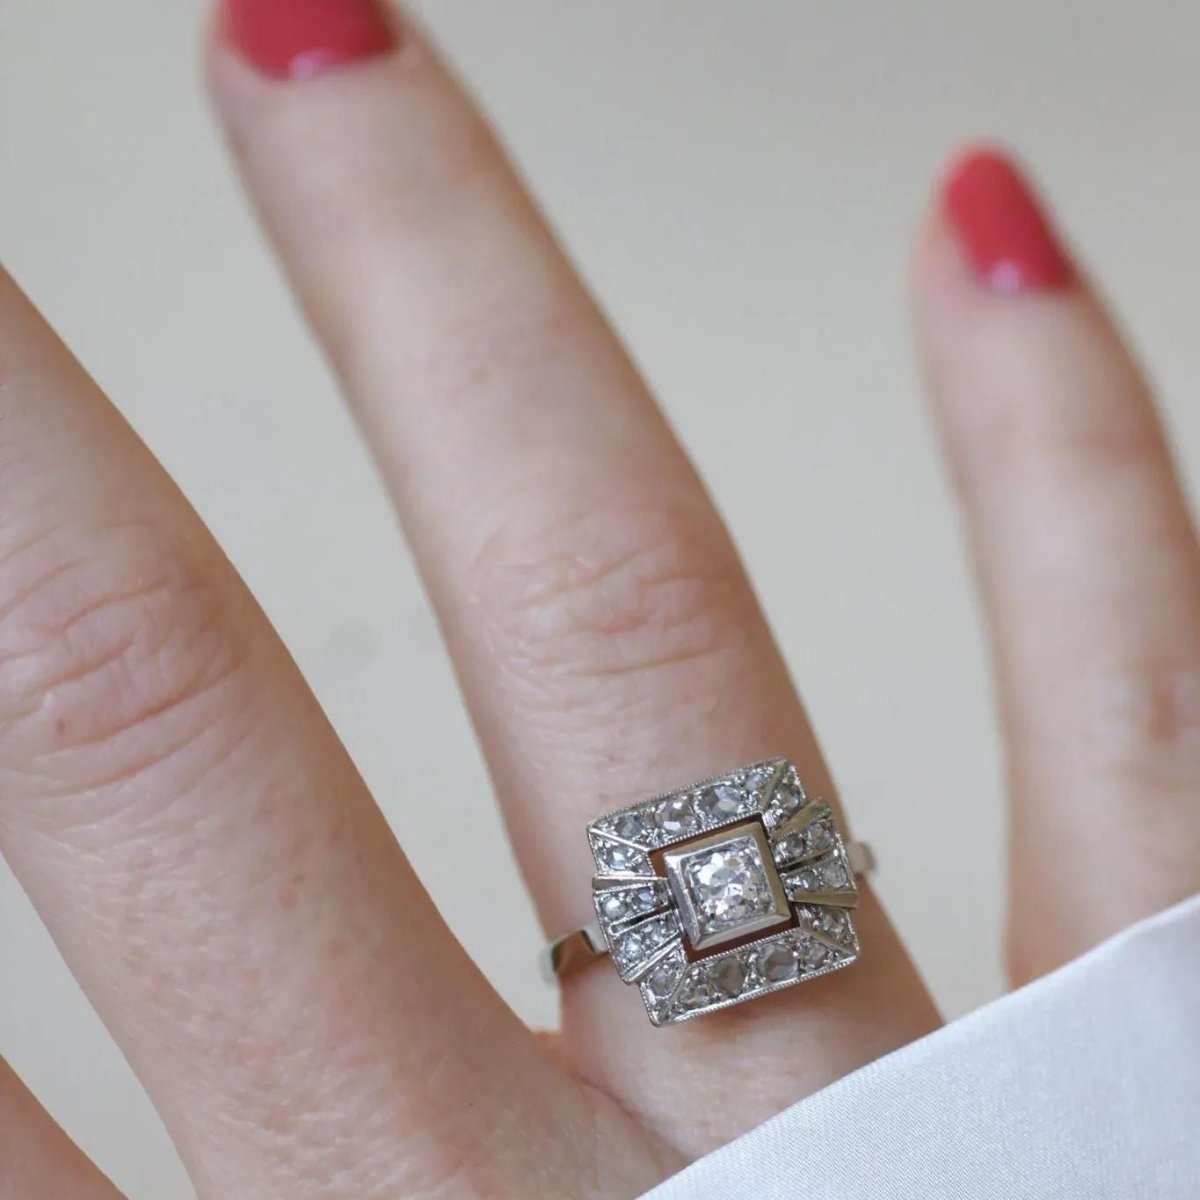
(719, 892)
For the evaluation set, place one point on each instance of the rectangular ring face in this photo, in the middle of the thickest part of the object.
(722, 891)
(726, 886)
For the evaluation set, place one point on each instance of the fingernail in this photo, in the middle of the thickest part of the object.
(1007, 237)
(300, 39)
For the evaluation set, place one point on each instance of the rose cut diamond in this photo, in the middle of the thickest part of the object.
(676, 817)
(720, 803)
(776, 963)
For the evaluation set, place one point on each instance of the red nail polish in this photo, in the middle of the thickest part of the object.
(300, 39)
(1006, 235)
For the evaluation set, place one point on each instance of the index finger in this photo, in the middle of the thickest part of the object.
(209, 861)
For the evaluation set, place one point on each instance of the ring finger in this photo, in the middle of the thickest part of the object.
(607, 639)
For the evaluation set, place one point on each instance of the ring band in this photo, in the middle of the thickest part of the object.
(719, 892)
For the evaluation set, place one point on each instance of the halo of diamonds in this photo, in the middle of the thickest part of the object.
(638, 913)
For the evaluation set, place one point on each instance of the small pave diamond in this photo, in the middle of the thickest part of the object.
(630, 826)
(676, 817)
(831, 923)
(816, 955)
(819, 837)
(617, 857)
(757, 778)
(835, 875)
(830, 874)
(836, 925)
(776, 963)
(720, 803)
(629, 949)
(728, 977)
(633, 949)
(662, 979)
(614, 856)
(788, 799)
(694, 991)
(789, 848)
(802, 882)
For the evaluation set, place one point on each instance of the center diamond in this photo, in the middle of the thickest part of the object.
(726, 886)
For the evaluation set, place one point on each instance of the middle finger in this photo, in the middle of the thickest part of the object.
(608, 641)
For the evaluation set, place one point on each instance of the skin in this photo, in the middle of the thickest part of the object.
(205, 854)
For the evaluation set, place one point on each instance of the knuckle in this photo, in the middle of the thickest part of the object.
(113, 651)
(488, 344)
(1101, 444)
(1133, 750)
(1012, 436)
(1141, 724)
(476, 356)
(439, 189)
(625, 591)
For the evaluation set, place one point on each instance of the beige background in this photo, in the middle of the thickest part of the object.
(738, 182)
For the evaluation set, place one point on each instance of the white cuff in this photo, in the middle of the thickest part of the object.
(1082, 1086)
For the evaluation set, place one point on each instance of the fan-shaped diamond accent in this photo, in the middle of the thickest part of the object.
(620, 901)
(635, 949)
(619, 858)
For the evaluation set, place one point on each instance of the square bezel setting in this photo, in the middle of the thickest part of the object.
(723, 891)
(726, 886)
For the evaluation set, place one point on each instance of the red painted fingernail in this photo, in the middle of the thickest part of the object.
(300, 39)
(1007, 237)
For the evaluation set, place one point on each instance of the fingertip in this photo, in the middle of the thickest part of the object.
(271, 51)
(944, 298)
(937, 265)
(227, 79)
(990, 277)
(1003, 228)
(298, 40)
(965, 158)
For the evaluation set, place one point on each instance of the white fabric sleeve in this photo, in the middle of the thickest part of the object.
(1085, 1085)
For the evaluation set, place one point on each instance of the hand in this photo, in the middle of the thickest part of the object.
(206, 856)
